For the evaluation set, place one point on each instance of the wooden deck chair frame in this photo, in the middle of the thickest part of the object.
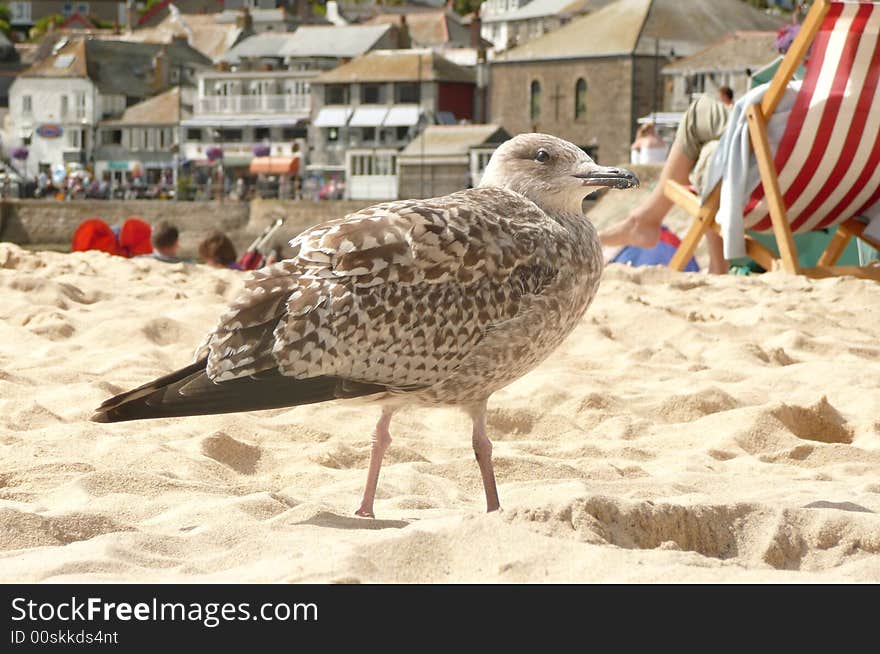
(757, 117)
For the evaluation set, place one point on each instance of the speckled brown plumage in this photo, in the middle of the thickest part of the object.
(429, 302)
(442, 300)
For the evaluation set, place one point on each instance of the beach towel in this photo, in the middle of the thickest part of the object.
(660, 255)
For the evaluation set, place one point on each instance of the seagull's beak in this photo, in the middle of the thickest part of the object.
(594, 175)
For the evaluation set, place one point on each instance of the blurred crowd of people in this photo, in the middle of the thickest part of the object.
(79, 183)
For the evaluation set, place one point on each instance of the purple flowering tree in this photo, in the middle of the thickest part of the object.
(261, 150)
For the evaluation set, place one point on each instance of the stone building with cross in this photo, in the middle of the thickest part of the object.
(590, 81)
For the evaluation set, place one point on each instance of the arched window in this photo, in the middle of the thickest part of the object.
(535, 100)
(580, 98)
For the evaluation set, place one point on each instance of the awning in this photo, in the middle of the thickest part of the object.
(402, 115)
(332, 117)
(243, 121)
(274, 166)
(368, 116)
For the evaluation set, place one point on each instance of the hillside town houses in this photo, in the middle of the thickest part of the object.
(346, 99)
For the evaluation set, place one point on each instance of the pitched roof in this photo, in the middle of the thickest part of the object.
(162, 109)
(339, 42)
(397, 66)
(628, 27)
(66, 61)
(451, 140)
(209, 37)
(737, 51)
(115, 66)
(429, 28)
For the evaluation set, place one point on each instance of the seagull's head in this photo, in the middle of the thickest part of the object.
(553, 173)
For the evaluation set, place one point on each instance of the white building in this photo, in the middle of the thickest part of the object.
(260, 96)
(364, 112)
(57, 104)
(507, 23)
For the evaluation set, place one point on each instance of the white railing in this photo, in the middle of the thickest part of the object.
(254, 104)
(197, 150)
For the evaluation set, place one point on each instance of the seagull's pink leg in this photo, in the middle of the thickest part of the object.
(381, 441)
(483, 452)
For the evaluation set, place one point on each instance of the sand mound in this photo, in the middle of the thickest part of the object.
(691, 429)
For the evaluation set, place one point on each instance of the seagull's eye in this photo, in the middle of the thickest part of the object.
(542, 156)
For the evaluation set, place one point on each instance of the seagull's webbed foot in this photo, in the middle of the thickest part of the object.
(381, 441)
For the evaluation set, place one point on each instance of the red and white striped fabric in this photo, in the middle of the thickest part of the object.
(827, 160)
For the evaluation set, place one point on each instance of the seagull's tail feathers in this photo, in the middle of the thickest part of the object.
(190, 392)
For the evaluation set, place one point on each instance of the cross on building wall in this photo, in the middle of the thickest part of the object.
(556, 97)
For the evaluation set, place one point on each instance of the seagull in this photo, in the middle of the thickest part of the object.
(433, 302)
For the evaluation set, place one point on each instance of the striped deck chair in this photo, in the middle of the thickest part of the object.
(834, 125)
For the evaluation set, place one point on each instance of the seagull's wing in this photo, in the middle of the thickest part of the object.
(398, 294)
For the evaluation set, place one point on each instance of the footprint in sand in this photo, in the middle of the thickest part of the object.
(241, 457)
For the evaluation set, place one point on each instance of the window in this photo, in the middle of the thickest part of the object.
(298, 87)
(407, 92)
(63, 106)
(80, 99)
(371, 93)
(150, 139)
(366, 164)
(74, 138)
(231, 135)
(368, 134)
(535, 100)
(20, 12)
(193, 134)
(402, 132)
(332, 134)
(261, 134)
(112, 137)
(696, 83)
(27, 106)
(335, 94)
(580, 98)
(290, 133)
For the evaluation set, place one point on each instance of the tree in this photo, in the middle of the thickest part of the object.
(42, 25)
(465, 7)
(5, 18)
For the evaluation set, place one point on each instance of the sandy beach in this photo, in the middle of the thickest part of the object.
(691, 429)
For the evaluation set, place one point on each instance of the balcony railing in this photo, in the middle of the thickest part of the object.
(235, 150)
(253, 104)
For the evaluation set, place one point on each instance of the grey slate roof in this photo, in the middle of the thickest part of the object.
(126, 68)
(329, 41)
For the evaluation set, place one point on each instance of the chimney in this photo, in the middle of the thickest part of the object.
(160, 69)
(333, 13)
(304, 11)
(244, 20)
(131, 15)
(476, 29)
(403, 39)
